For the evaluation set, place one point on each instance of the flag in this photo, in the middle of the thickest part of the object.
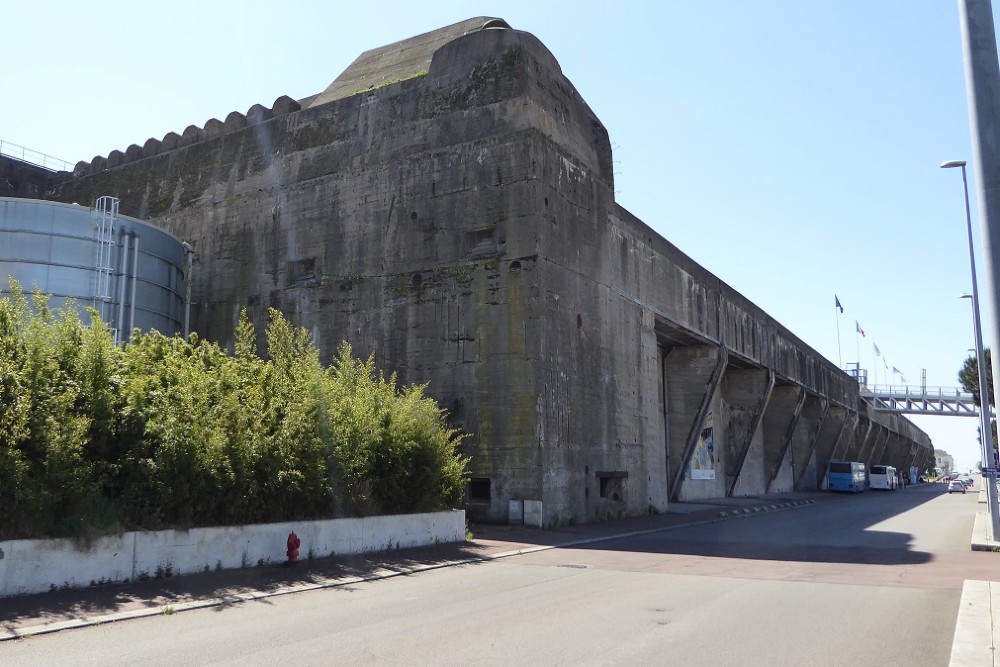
(837, 303)
(874, 346)
(859, 329)
(896, 370)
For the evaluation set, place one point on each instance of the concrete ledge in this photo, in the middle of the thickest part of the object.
(973, 643)
(35, 566)
(981, 540)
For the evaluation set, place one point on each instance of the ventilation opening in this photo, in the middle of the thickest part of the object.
(612, 485)
(302, 271)
(480, 490)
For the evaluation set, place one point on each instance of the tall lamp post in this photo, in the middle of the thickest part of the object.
(984, 390)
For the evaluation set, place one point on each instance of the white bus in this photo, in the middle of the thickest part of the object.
(883, 477)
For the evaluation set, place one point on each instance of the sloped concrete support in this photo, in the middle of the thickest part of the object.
(744, 396)
(693, 376)
(779, 423)
(833, 426)
(862, 432)
(884, 455)
(846, 438)
(910, 458)
(804, 435)
(907, 451)
(873, 445)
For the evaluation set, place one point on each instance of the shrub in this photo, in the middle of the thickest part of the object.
(174, 432)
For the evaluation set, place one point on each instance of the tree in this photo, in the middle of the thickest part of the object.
(968, 375)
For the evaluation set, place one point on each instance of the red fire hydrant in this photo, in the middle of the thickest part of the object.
(293, 547)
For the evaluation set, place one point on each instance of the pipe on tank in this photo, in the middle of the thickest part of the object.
(122, 285)
(135, 279)
(189, 251)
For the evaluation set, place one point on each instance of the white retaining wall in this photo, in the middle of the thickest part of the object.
(34, 566)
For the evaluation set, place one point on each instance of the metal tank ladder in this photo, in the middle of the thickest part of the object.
(106, 213)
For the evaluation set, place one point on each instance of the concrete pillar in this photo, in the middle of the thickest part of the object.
(744, 396)
(875, 444)
(830, 433)
(780, 417)
(889, 454)
(846, 439)
(807, 429)
(910, 455)
(862, 432)
(692, 377)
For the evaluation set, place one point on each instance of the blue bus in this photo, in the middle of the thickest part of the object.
(847, 476)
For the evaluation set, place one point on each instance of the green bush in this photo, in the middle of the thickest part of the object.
(170, 432)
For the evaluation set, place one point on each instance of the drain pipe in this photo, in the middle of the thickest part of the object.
(189, 251)
(122, 285)
(135, 279)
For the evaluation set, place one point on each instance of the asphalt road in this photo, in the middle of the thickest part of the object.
(873, 579)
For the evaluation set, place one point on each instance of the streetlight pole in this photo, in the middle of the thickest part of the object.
(984, 390)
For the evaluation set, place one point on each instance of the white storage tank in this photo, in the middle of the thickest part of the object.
(128, 270)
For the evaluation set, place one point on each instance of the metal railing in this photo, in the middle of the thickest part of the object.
(33, 157)
(903, 390)
(921, 400)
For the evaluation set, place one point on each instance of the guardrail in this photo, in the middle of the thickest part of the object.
(33, 157)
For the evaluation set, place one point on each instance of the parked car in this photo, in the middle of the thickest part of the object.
(955, 486)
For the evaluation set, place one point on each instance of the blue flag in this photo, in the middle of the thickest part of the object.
(837, 303)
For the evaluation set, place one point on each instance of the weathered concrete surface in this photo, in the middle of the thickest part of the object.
(745, 394)
(36, 566)
(804, 436)
(21, 179)
(460, 224)
(834, 425)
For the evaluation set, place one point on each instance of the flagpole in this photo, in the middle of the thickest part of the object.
(840, 360)
(857, 342)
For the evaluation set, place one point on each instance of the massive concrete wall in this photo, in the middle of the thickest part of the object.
(459, 222)
(22, 179)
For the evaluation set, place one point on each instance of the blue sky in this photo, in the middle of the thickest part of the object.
(790, 147)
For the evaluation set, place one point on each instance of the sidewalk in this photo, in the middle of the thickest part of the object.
(976, 633)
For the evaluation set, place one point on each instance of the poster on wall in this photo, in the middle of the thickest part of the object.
(703, 459)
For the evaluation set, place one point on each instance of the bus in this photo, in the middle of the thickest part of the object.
(883, 477)
(847, 476)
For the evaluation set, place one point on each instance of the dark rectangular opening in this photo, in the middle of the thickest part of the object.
(480, 490)
(612, 484)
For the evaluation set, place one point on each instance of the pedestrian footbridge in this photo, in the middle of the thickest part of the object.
(921, 400)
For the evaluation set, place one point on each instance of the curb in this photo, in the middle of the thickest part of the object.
(973, 641)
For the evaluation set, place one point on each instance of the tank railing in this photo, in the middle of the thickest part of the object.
(33, 157)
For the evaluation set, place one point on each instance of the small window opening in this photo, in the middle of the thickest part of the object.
(480, 489)
(612, 485)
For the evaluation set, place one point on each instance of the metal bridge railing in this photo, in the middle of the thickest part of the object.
(33, 157)
(909, 391)
(921, 400)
